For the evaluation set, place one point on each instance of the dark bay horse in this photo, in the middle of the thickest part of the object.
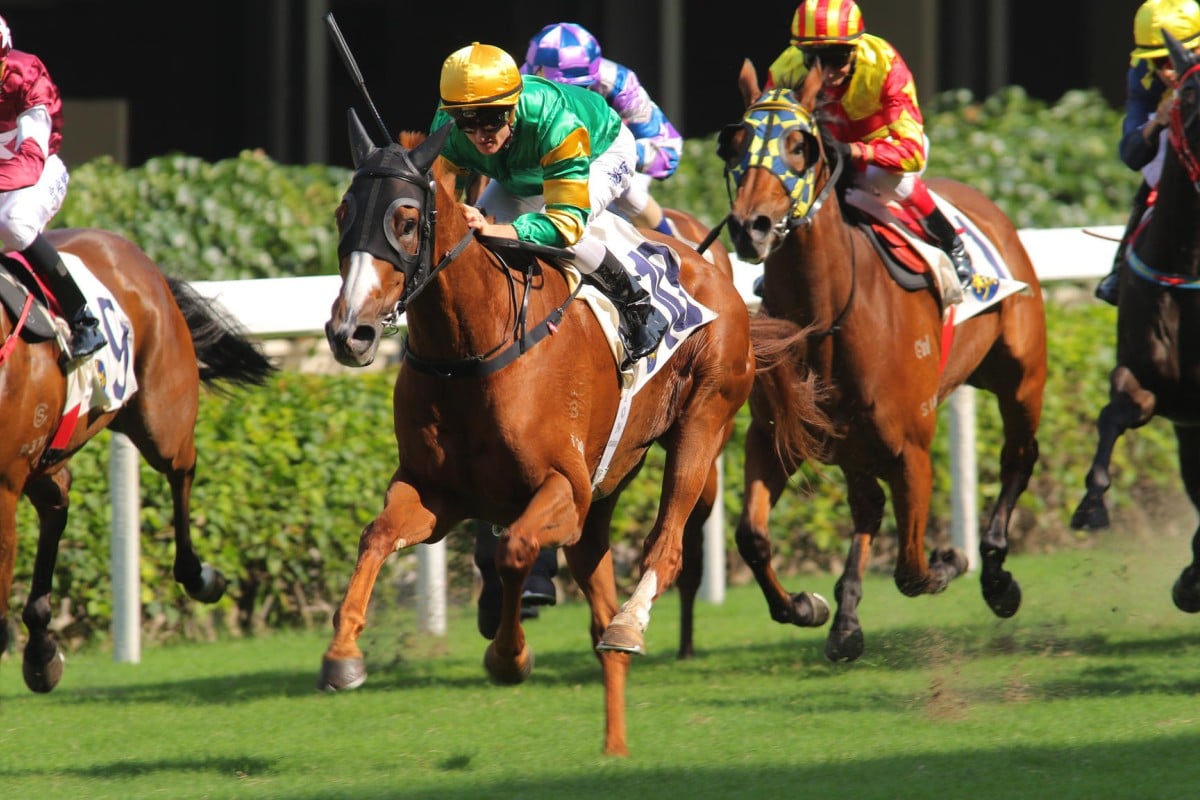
(878, 351)
(178, 341)
(1158, 323)
(504, 406)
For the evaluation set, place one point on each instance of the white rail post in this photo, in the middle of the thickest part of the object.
(964, 475)
(125, 550)
(431, 588)
(712, 581)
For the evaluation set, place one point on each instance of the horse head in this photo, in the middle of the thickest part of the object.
(1185, 110)
(386, 226)
(771, 160)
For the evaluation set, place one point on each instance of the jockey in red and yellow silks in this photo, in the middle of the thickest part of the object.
(873, 113)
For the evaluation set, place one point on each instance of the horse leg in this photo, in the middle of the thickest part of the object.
(170, 449)
(692, 571)
(8, 558)
(404, 521)
(765, 478)
(1129, 406)
(845, 640)
(1186, 591)
(43, 662)
(552, 508)
(911, 490)
(1017, 459)
(591, 565)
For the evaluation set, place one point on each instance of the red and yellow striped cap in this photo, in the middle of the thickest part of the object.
(826, 22)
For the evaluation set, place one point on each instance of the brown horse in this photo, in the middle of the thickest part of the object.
(877, 349)
(504, 406)
(1158, 341)
(178, 340)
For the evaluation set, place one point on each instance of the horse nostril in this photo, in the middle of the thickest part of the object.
(364, 333)
(762, 224)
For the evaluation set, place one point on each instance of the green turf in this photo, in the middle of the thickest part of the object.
(1091, 691)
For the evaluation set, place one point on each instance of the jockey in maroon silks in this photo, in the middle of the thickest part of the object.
(33, 182)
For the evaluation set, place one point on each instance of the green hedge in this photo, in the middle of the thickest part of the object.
(289, 475)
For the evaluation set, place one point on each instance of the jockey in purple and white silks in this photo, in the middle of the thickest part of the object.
(567, 53)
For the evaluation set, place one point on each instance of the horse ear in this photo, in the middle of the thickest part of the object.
(810, 89)
(424, 154)
(1181, 59)
(748, 83)
(361, 145)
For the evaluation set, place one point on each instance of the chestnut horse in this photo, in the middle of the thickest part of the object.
(1158, 341)
(878, 350)
(178, 340)
(505, 403)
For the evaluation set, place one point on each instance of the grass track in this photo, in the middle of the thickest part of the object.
(1091, 691)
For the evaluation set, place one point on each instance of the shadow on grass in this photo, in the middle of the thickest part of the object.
(137, 768)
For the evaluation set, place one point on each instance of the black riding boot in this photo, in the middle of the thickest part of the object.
(1109, 288)
(642, 325)
(951, 244)
(85, 328)
(539, 586)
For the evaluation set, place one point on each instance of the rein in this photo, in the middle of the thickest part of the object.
(1177, 136)
(499, 357)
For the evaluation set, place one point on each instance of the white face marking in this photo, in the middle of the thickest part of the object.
(362, 281)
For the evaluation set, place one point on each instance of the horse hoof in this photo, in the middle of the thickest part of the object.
(1185, 594)
(812, 610)
(1004, 601)
(212, 585)
(341, 674)
(1091, 515)
(623, 639)
(844, 646)
(505, 671)
(41, 678)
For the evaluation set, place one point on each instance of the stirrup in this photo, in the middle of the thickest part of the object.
(85, 337)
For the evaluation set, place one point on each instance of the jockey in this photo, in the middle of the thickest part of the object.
(876, 123)
(33, 182)
(1149, 91)
(557, 156)
(568, 53)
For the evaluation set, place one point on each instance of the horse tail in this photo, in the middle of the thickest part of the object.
(788, 393)
(222, 348)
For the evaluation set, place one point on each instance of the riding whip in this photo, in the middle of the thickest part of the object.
(343, 49)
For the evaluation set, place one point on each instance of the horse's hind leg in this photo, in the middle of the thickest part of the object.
(1186, 591)
(1017, 459)
(170, 449)
(765, 478)
(1129, 406)
(43, 662)
(692, 571)
(845, 640)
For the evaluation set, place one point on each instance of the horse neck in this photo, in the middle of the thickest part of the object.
(816, 260)
(1172, 239)
(467, 309)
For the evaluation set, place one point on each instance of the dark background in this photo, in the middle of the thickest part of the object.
(217, 77)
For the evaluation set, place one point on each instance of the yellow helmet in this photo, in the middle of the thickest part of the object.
(479, 75)
(1180, 17)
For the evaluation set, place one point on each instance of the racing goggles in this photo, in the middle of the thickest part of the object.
(831, 56)
(489, 120)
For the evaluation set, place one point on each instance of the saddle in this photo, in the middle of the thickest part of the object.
(23, 295)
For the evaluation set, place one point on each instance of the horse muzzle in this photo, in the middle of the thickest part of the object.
(755, 238)
(353, 344)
